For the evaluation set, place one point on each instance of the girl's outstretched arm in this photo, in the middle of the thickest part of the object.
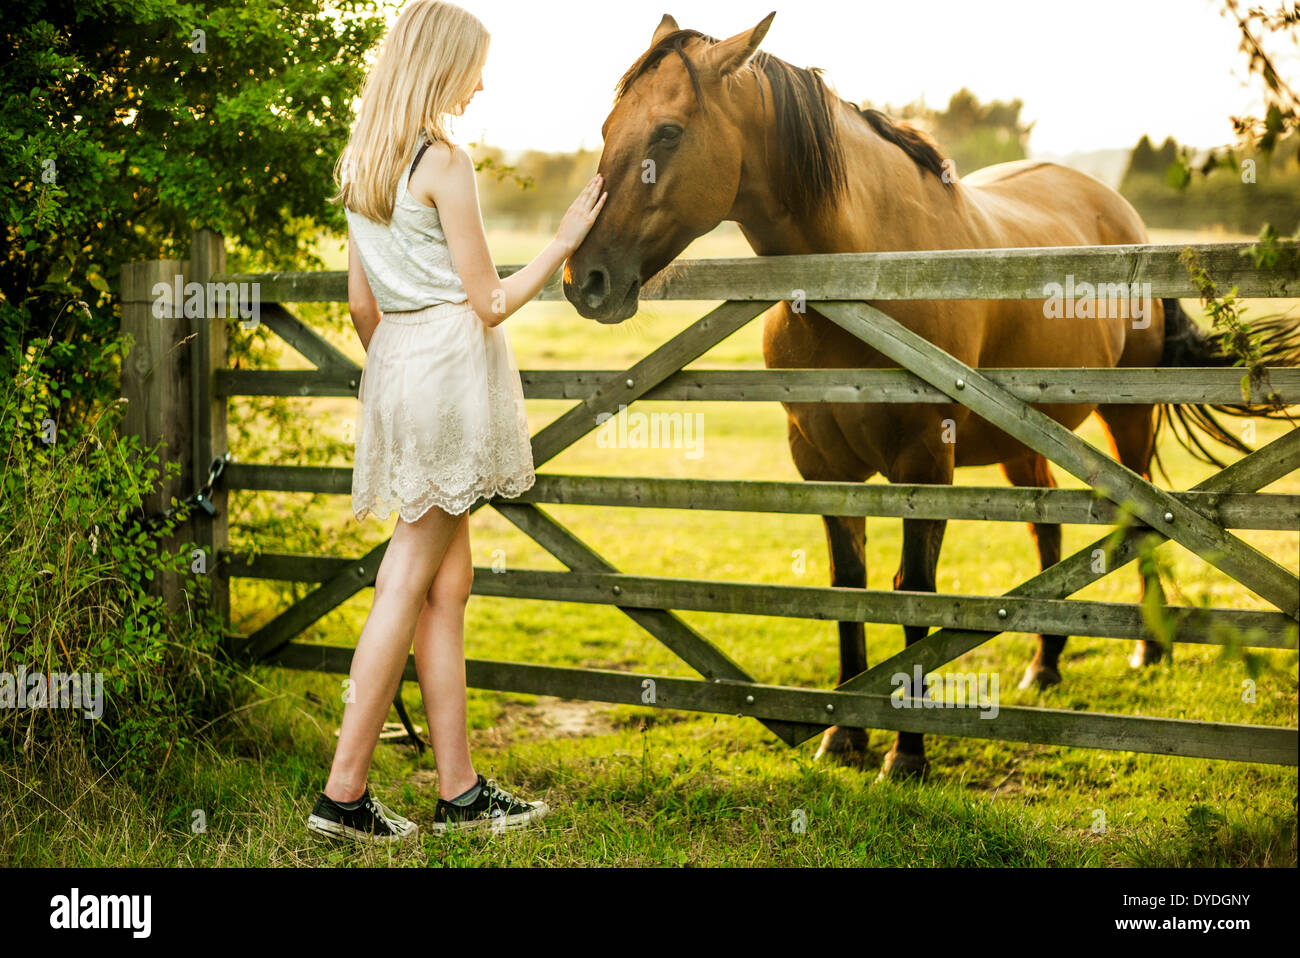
(449, 185)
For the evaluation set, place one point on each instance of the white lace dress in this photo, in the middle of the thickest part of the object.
(441, 420)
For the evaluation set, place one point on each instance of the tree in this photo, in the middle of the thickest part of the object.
(126, 124)
(1142, 159)
(1146, 164)
(1281, 121)
(1282, 105)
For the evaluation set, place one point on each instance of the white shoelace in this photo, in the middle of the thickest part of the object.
(494, 789)
(387, 815)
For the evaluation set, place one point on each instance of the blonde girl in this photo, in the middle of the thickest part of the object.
(441, 418)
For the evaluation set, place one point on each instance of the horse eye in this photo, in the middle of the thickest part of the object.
(668, 133)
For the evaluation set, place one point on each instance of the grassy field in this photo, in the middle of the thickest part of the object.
(634, 786)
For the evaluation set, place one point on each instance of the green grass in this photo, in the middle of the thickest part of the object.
(633, 786)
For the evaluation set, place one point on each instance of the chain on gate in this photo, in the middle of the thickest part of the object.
(201, 497)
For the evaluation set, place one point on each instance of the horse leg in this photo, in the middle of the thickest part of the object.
(846, 543)
(1033, 470)
(917, 572)
(1132, 433)
(845, 538)
(922, 539)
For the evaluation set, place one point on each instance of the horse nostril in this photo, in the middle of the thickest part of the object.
(595, 286)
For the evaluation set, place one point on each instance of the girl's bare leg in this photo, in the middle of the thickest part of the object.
(440, 663)
(403, 581)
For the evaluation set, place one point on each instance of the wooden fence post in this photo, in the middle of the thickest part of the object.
(208, 258)
(156, 384)
(167, 381)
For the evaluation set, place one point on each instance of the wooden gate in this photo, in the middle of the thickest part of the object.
(839, 286)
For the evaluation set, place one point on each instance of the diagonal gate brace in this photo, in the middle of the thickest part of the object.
(1157, 508)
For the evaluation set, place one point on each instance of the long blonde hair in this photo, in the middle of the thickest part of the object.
(428, 66)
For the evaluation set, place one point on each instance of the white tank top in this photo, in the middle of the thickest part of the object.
(407, 262)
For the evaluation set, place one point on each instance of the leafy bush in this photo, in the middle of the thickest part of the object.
(126, 125)
(76, 564)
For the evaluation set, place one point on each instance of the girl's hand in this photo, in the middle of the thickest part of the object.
(581, 216)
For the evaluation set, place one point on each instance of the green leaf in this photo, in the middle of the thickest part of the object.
(1179, 174)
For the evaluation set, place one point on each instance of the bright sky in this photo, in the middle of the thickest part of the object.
(1092, 75)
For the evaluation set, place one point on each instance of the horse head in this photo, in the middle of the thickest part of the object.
(672, 165)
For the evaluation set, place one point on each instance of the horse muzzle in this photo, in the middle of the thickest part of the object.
(605, 295)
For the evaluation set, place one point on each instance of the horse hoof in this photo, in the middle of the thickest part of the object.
(843, 746)
(903, 767)
(1145, 653)
(1040, 676)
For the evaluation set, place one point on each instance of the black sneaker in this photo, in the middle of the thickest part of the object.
(493, 808)
(370, 821)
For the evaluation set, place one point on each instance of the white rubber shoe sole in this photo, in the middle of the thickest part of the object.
(323, 826)
(500, 824)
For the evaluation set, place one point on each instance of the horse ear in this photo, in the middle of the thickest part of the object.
(734, 52)
(666, 26)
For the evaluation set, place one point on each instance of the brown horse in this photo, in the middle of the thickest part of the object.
(737, 134)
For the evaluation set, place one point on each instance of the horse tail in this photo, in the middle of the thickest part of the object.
(1186, 344)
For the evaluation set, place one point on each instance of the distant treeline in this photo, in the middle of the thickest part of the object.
(1240, 192)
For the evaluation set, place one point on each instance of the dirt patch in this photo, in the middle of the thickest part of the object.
(1000, 784)
(551, 718)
